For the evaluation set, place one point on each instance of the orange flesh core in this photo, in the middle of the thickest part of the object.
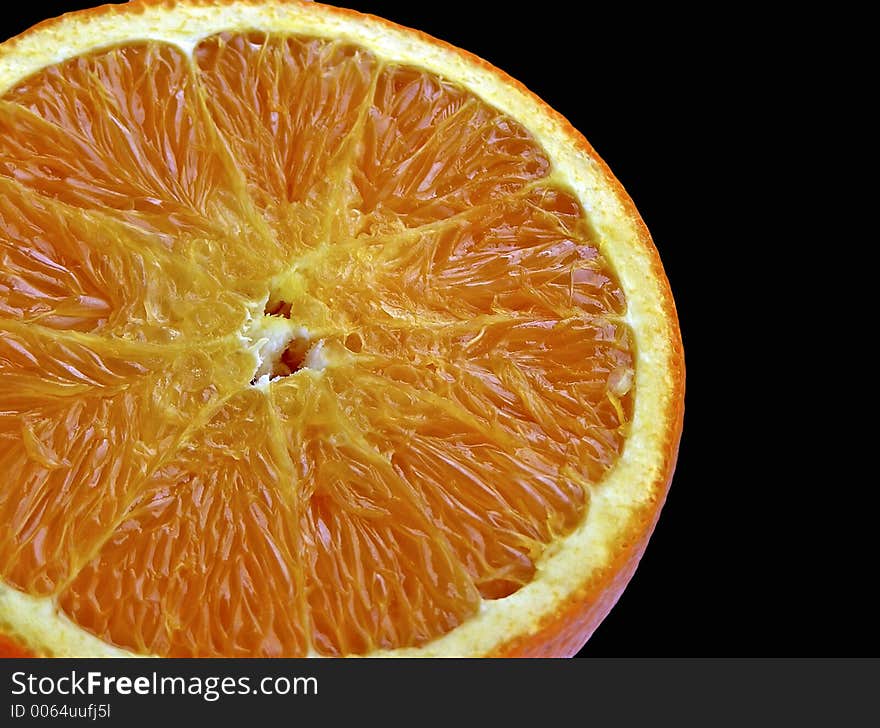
(301, 352)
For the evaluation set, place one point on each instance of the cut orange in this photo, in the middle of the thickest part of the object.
(318, 336)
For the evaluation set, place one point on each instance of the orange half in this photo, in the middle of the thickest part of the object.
(318, 336)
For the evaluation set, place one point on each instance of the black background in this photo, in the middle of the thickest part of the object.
(667, 101)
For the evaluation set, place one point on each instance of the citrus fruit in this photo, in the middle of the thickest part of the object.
(318, 336)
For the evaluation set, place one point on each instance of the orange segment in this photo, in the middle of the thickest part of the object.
(90, 133)
(48, 275)
(39, 365)
(206, 556)
(496, 506)
(530, 255)
(135, 155)
(378, 571)
(322, 338)
(67, 268)
(285, 106)
(72, 464)
(82, 424)
(431, 150)
(533, 255)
